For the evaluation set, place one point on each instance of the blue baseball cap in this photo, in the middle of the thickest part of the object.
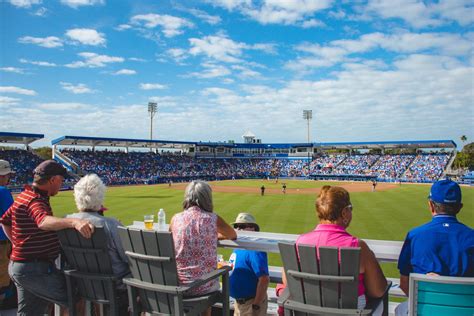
(445, 191)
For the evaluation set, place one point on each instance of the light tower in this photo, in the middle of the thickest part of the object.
(308, 116)
(152, 109)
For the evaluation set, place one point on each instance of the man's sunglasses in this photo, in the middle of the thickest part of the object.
(244, 226)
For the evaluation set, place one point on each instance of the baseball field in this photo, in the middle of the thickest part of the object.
(386, 214)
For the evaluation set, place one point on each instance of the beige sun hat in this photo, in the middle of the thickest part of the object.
(5, 168)
(245, 218)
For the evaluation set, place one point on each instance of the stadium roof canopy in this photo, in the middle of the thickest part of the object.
(390, 144)
(118, 142)
(19, 138)
(144, 143)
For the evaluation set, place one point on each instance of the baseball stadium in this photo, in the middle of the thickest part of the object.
(236, 157)
(278, 183)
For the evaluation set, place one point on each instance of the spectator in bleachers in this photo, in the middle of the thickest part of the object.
(30, 225)
(89, 194)
(249, 278)
(7, 290)
(198, 227)
(23, 163)
(334, 210)
(443, 246)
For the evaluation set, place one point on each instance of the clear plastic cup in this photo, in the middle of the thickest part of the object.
(149, 219)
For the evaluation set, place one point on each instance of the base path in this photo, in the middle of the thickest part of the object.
(349, 186)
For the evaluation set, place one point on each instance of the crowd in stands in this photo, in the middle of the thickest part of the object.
(23, 162)
(426, 168)
(392, 167)
(119, 167)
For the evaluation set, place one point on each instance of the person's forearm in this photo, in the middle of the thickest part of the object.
(262, 287)
(55, 223)
(8, 231)
(404, 283)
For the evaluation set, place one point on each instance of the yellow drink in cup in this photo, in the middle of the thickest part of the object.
(149, 219)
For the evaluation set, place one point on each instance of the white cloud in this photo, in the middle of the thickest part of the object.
(93, 60)
(171, 25)
(245, 72)
(204, 16)
(80, 3)
(64, 106)
(123, 27)
(276, 11)
(339, 50)
(125, 72)
(37, 63)
(12, 69)
(177, 54)
(4, 101)
(211, 70)
(80, 88)
(17, 90)
(24, 3)
(312, 23)
(217, 47)
(41, 12)
(86, 37)
(137, 59)
(48, 42)
(420, 14)
(152, 86)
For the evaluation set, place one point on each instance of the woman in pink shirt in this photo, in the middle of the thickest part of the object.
(334, 210)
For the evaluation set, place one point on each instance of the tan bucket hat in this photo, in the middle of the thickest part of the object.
(245, 218)
(5, 168)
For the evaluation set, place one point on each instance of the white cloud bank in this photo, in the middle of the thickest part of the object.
(16, 90)
(86, 37)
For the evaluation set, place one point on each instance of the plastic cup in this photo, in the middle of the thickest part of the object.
(149, 219)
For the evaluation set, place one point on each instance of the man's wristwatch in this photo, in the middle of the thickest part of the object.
(255, 307)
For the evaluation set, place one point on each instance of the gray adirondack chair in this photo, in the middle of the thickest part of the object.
(88, 269)
(155, 280)
(323, 286)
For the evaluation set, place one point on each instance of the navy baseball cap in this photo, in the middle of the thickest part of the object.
(445, 191)
(50, 168)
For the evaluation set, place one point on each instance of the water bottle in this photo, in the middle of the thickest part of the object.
(162, 220)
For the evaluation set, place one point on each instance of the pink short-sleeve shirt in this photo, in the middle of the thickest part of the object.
(334, 236)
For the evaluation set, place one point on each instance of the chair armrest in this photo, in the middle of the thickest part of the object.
(204, 279)
(171, 289)
(90, 276)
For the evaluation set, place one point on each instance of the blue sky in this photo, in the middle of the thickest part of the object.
(369, 70)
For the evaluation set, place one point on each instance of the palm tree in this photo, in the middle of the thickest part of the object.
(463, 138)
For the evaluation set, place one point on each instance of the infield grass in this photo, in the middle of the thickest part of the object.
(385, 215)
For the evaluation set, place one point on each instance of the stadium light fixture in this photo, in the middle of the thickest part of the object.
(308, 116)
(152, 109)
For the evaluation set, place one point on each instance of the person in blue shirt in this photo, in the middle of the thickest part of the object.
(6, 200)
(443, 246)
(249, 277)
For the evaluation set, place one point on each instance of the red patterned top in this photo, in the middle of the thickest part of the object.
(195, 243)
(29, 242)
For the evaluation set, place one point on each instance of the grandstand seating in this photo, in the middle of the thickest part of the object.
(23, 162)
(118, 167)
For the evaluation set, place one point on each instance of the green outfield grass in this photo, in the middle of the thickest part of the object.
(385, 215)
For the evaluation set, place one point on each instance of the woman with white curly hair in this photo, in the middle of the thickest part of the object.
(89, 194)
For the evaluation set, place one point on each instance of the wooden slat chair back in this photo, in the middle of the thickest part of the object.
(89, 268)
(155, 278)
(440, 295)
(321, 286)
